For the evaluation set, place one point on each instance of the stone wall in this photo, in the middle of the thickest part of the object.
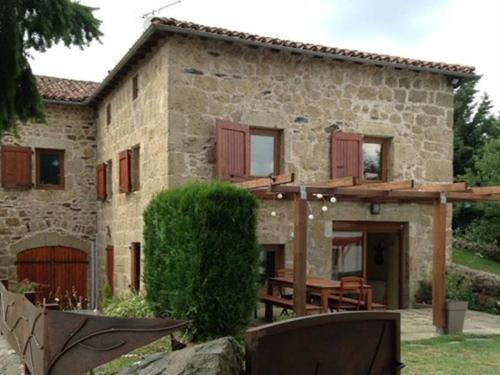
(36, 217)
(143, 122)
(308, 98)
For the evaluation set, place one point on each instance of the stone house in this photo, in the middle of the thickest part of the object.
(190, 103)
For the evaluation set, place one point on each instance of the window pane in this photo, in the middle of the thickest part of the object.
(347, 254)
(50, 169)
(262, 155)
(372, 161)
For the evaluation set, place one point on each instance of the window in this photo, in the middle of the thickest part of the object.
(108, 114)
(109, 179)
(16, 167)
(101, 186)
(135, 266)
(135, 87)
(375, 159)
(49, 169)
(124, 171)
(129, 174)
(244, 152)
(264, 152)
(355, 155)
(134, 166)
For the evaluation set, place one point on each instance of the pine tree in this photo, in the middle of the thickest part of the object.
(474, 125)
(37, 25)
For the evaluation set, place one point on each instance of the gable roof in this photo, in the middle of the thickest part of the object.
(84, 92)
(65, 90)
(163, 27)
(335, 52)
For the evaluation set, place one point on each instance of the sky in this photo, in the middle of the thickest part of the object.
(453, 31)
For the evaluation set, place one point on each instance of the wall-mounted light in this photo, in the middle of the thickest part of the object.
(375, 208)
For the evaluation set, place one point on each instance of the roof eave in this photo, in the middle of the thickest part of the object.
(150, 31)
(175, 29)
(65, 102)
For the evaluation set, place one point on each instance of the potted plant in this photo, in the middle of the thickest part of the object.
(458, 294)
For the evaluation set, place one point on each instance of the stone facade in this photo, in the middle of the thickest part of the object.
(185, 85)
(35, 217)
(308, 98)
(142, 122)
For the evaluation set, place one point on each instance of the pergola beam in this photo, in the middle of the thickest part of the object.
(457, 186)
(266, 182)
(486, 190)
(385, 186)
(439, 264)
(299, 254)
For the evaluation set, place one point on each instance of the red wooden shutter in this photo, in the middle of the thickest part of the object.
(110, 266)
(124, 171)
(233, 150)
(16, 167)
(347, 155)
(101, 182)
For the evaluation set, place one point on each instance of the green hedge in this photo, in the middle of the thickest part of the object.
(201, 256)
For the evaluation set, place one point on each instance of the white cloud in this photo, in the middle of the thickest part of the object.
(455, 31)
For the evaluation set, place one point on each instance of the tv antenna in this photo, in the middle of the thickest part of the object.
(148, 16)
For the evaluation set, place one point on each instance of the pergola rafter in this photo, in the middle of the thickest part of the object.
(351, 189)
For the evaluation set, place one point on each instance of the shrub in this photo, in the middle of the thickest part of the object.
(133, 306)
(201, 256)
(424, 292)
(458, 287)
(25, 286)
(473, 244)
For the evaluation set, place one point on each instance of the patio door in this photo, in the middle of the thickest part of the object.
(376, 252)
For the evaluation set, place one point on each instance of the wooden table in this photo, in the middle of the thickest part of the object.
(315, 284)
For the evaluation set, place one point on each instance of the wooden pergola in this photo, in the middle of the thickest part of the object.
(353, 190)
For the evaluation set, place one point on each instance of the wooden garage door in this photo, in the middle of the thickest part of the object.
(54, 267)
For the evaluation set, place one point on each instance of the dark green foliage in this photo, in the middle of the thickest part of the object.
(201, 256)
(473, 126)
(476, 161)
(36, 24)
(482, 219)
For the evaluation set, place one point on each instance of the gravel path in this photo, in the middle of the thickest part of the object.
(9, 361)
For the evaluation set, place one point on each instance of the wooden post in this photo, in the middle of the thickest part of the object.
(439, 264)
(300, 253)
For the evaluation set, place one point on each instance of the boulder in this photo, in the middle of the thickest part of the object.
(218, 357)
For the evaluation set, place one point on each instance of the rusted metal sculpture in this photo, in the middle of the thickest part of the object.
(339, 343)
(56, 342)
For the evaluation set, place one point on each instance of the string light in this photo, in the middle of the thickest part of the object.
(273, 213)
(319, 196)
(311, 217)
(280, 196)
(324, 208)
(333, 199)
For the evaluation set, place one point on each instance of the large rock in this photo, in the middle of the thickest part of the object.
(219, 357)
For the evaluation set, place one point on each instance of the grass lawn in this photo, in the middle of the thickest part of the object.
(471, 260)
(452, 355)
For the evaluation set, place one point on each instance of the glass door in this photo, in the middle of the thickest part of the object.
(348, 254)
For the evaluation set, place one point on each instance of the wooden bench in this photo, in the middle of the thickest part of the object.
(285, 303)
(352, 301)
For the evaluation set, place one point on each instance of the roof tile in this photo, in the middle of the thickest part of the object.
(63, 89)
(452, 68)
